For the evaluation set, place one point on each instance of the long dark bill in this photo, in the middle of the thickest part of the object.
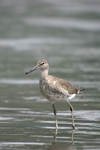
(33, 69)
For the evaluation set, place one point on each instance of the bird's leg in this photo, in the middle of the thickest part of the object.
(71, 109)
(54, 110)
(72, 137)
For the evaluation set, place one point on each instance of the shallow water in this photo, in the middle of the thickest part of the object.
(66, 34)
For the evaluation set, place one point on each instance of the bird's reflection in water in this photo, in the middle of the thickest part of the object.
(55, 135)
(56, 131)
(62, 145)
(72, 137)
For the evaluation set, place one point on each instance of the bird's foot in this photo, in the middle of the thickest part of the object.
(73, 126)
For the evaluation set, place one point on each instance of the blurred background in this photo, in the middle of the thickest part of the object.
(67, 34)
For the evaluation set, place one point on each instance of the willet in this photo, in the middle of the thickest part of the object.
(55, 89)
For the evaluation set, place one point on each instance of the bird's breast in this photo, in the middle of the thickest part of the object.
(50, 92)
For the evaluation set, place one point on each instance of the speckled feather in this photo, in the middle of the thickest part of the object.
(56, 89)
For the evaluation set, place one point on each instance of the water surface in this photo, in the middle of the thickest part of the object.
(66, 34)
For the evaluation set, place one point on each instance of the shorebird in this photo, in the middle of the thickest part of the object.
(55, 89)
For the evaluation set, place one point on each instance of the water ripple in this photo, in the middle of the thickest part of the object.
(18, 81)
(63, 23)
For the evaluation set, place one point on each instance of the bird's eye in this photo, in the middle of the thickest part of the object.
(42, 63)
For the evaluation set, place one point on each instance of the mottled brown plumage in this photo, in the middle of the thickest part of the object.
(55, 89)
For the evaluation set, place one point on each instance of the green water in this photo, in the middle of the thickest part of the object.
(67, 35)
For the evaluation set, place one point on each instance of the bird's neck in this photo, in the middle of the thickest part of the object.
(44, 73)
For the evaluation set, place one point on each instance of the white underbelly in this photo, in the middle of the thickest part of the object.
(71, 96)
(60, 98)
(57, 98)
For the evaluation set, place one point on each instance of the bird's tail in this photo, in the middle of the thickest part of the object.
(79, 90)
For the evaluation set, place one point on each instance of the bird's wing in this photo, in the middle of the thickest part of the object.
(63, 85)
